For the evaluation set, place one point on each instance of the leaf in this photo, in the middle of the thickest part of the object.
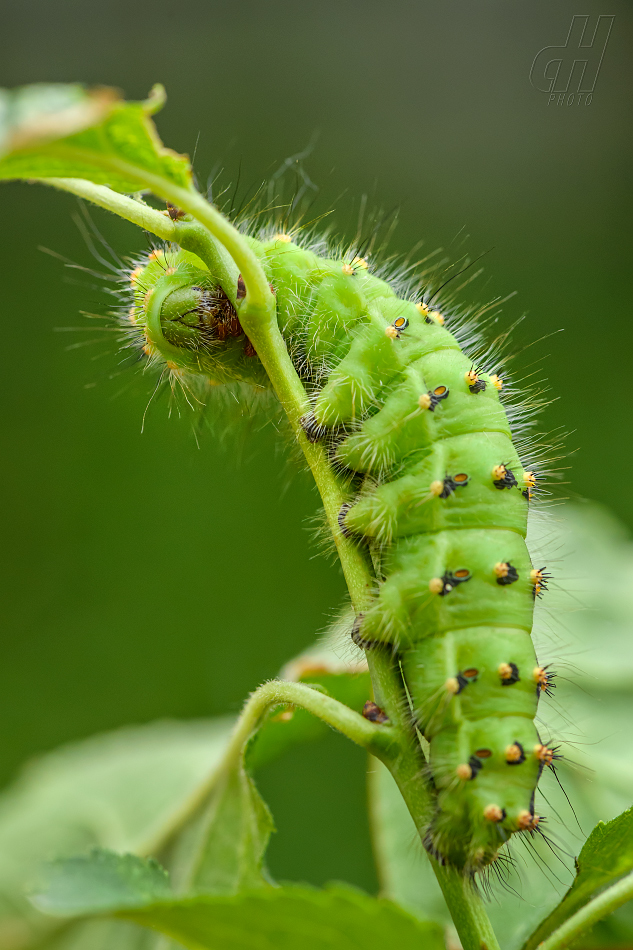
(95, 933)
(121, 790)
(125, 790)
(66, 131)
(100, 881)
(606, 856)
(292, 917)
(337, 918)
(222, 850)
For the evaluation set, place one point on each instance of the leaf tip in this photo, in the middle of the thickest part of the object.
(156, 99)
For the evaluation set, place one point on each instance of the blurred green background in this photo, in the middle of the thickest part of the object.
(144, 576)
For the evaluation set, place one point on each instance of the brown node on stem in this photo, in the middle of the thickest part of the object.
(174, 213)
(374, 713)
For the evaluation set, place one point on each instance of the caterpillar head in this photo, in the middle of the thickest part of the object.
(186, 323)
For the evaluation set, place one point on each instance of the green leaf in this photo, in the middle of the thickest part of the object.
(95, 933)
(100, 881)
(122, 790)
(337, 918)
(133, 789)
(290, 918)
(222, 849)
(606, 856)
(66, 131)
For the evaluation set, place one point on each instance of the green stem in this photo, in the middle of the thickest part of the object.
(189, 235)
(380, 740)
(377, 739)
(467, 909)
(135, 211)
(258, 317)
(605, 903)
(188, 199)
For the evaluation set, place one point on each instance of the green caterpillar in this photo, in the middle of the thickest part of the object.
(437, 491)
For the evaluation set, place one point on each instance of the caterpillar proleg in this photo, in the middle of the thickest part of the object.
(438, 491)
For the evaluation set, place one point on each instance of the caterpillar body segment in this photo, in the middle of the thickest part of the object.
(443, 502)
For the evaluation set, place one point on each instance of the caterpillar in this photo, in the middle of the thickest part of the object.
(437, 492)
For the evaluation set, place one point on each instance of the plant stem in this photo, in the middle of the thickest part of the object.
(377, 739)
(258, 317)
(135, 211)
(605, 903)
(467, 909)
(189, 235)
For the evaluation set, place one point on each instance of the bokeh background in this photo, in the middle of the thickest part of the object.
(145, 575)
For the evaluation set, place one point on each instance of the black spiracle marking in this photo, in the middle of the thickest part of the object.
(464, 678)
(451, 580)
(450, 483)
(437, 395)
